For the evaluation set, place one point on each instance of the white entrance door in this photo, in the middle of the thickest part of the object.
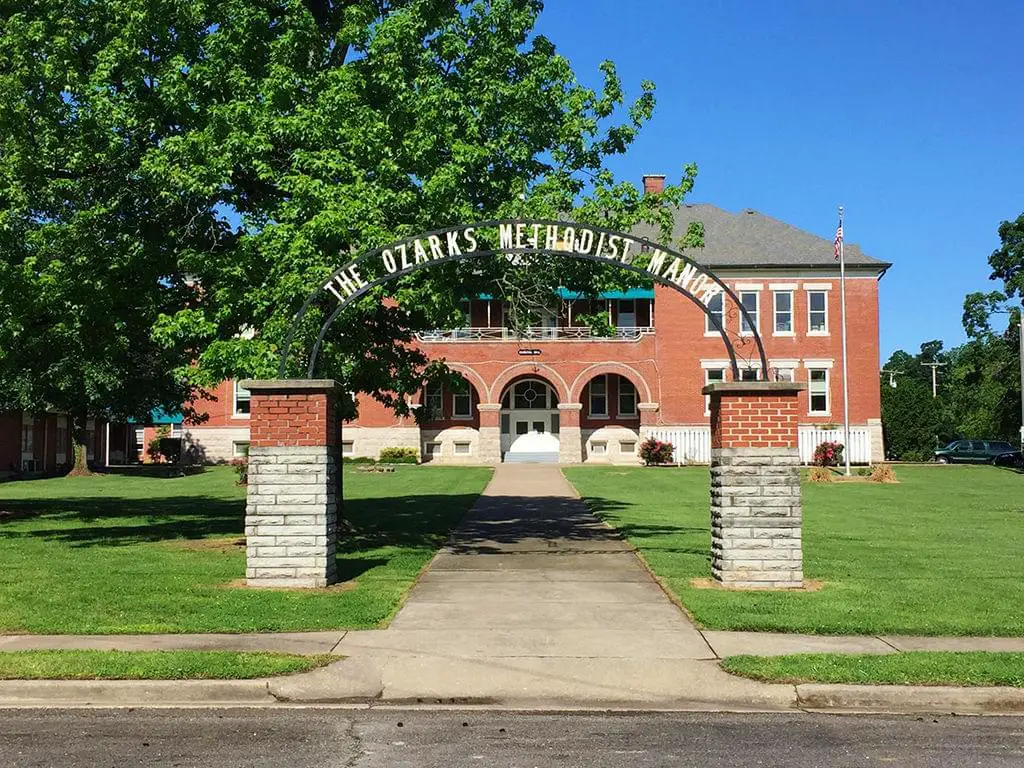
(529, 418)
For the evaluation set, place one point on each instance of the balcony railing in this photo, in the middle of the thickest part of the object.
(532, 334)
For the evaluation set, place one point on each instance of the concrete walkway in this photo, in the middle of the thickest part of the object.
(533, 603)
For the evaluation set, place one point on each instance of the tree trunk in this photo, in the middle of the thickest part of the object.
(79, 436)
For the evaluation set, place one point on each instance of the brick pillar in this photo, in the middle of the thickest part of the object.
(490, 433)
(755, 484)
(570, 436)
(294, 495)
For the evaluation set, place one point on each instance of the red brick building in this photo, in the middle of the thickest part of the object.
(560, 393)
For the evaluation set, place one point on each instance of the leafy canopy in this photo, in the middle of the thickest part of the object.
(177, 177)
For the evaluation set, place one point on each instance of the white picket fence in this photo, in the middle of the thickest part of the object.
(810, 438)
(693, 444)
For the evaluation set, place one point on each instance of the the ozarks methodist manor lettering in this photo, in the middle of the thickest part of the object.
(521, 237)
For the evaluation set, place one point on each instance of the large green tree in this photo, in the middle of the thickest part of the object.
(177, 176)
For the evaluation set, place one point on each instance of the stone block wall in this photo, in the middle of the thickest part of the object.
(756, 512)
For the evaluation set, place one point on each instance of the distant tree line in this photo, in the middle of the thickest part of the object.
(978, 393)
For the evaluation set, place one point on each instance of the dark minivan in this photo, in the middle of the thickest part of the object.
(978, 452)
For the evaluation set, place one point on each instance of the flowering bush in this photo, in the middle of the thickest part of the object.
(828, 454)
(656, 452)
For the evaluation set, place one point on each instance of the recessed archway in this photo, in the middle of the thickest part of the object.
(530, 421)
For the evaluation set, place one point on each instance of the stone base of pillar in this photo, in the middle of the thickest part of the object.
(756, 518)
(570, 445)
(877, 440)
(291, 516)
(490, 446)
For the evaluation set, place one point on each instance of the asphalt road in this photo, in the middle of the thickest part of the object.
(364, 739)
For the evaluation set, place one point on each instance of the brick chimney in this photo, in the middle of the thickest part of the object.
(654, 183)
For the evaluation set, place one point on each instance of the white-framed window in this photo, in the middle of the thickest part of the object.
(784, 374)
(239, 448)
(348, 447)
(817, 312)
(433, 449)
(599, 396)
(817, 379)
(28, 428)
(241, 400)
(716, 308)
(783, 313)
(462, 449)
(711, 375)
(751, 301)
(433, 401)
(750, 374)
(599, 448)
(627, 397)
(627, 447)
(462, 405)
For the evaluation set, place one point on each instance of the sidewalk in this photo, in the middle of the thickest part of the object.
(534, 603)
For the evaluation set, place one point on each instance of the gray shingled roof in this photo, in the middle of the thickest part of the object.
(749, 238)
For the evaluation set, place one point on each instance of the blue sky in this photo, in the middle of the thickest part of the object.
(908, 114)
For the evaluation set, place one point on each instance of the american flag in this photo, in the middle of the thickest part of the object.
(839, 240)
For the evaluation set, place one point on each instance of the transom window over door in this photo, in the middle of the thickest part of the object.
(530, 394)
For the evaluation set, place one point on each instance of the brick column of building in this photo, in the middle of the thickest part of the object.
(490, 433)
(294, 494)
(570, 436)
(755, 485)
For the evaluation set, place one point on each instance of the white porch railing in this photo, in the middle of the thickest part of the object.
(531, 334)
(693, 444)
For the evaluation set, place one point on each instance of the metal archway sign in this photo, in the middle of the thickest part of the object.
(512, 237)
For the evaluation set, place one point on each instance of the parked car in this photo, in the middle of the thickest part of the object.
(979, 452)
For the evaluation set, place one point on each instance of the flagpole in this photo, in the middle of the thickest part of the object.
(846, 384)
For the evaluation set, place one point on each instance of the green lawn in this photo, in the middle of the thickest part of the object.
(941, 553)
(912, 668)
(153, 665)
(114, 554)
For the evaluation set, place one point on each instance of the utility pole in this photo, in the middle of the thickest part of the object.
(935, 386)
(892, 376)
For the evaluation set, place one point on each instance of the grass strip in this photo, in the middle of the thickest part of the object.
(968, 668)
(153, 665)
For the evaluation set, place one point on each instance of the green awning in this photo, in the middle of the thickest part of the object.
(160, 416)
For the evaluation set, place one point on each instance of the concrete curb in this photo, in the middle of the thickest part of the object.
(910, 699)
(358, 684)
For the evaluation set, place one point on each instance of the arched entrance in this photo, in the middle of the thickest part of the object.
(530, 421)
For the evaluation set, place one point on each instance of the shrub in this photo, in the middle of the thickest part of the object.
(819, 475)
(399, 455)
(883, 473)
(863, 471)
(358, 460)
(241, 467)
(828, 454)
(656, 452)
